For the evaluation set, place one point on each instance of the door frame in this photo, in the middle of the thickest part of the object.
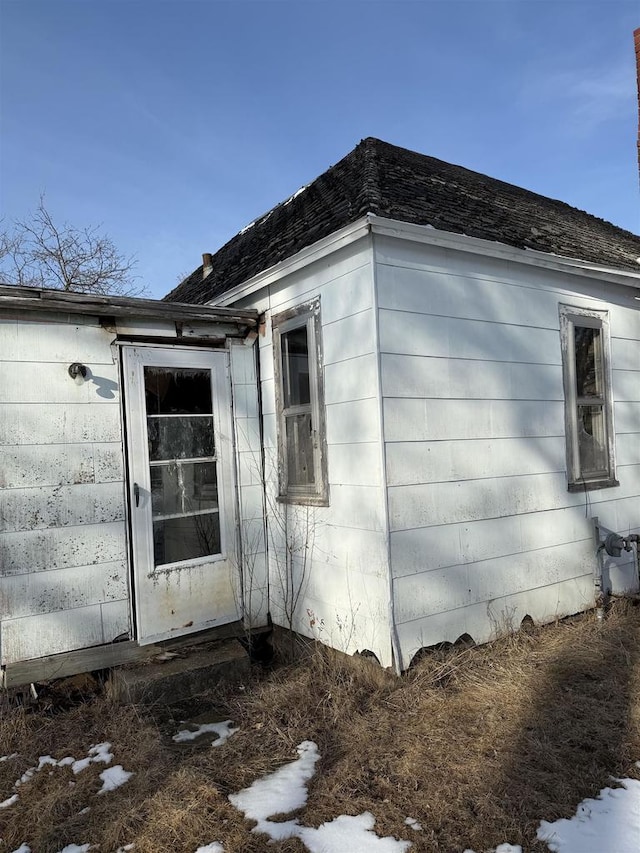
(140, 525)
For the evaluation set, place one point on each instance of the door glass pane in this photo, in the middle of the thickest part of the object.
(588, 349)
(591, 440)
(295, 368)
(299, 445)
(183, 488)
(180, 437)
(177, 391)
(186, 538)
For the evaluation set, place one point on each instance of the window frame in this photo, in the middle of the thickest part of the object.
(571, 317)
(306, 316)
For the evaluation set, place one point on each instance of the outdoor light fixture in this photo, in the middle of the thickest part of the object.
(78, 372)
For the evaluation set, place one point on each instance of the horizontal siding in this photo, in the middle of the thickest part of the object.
(26, 466)
(413, 462)
(249, 473)
(33, 382)
(51, 633)
(429, 504)
(435, 420)
(430, 280)
(483, 528)
(344, 542)
(487, 620)
(53, 342)
(424, 376)
(353, 422)
(30, 509)
(449, 337)
(62, 589)
(421, 549)
(349, 380)
(39, 550)
(73, 423)
(348, 337)
(446, 589)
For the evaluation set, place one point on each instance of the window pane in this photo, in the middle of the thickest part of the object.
(180, 438)
(177, 391)
(186, 538)
(183, 487)
(299, 449)
(592, 440)
(588, 349)
(295, 368)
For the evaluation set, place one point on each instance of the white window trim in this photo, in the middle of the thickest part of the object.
(307, 315)
(571, 316)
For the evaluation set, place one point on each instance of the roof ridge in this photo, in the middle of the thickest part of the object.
(369, 197)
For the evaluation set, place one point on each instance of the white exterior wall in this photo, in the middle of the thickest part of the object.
(483, 530)
(340, 584)
(252, 580)
(63, 553)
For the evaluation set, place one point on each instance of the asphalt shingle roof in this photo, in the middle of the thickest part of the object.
(392, 182)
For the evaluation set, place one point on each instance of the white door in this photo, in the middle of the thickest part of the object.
(181, 490)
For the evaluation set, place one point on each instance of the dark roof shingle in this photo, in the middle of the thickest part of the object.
(396, 183)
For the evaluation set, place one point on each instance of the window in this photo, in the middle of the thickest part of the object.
(584, 336)
(300, 405)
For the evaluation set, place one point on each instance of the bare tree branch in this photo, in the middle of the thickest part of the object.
(39, 253)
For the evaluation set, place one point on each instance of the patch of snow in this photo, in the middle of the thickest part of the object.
(24, 848)
(128, 847)
(413, 823)
(85, 810)
(223, 730)
(75, 848)
(295, 195)
(8, 757)
(354, 834)
(9, 802)
(281, 791)
(66, 762)
(113, 778)
(610, 823)
(45, 760)
(98, 753)
(214, 847)
(286, 790)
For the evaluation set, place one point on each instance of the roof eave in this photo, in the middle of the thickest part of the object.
(373, 223)
(41, 299)
(532, 257)
(326, 246)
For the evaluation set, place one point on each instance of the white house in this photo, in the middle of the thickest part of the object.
(450, 387)
(384, 415)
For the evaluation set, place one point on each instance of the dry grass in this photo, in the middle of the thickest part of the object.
(478, 744)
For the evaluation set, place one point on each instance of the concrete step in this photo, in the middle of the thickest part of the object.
(194, 670)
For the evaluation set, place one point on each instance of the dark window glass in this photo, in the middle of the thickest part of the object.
(180, 437)
(177, 391)
(295, 368)
(588, 350)
(183, 488)
(186, 538)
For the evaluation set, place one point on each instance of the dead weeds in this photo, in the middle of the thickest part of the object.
(478, 744)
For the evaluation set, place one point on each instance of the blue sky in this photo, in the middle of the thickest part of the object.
(174, 123)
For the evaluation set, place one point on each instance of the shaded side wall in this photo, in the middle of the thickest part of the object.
(328, 566)
(252, 580)
(63, 563)
(483, 529)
